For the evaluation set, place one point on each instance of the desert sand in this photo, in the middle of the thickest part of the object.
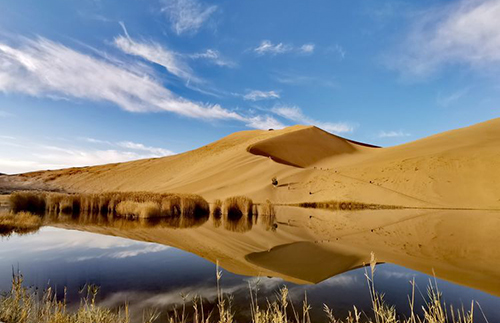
(454, 169)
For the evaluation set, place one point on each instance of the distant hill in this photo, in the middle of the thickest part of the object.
(458, 168)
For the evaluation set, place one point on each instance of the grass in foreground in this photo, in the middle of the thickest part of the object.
(20, 223)
(23, 305)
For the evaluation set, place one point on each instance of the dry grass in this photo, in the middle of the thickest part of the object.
(237, 206)
(345, 205)
(20, 223)
(217, 209)
(22, 305)
(130, 204)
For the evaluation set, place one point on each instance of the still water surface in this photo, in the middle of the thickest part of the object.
(151, 264)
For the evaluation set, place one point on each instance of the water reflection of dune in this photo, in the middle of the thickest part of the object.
(312, 245)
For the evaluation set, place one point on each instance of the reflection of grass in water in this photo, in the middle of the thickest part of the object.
(237, 206)
(23, 305)
(20, 223)
(345, 205)
(128, 204)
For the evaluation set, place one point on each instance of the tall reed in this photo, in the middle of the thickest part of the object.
(134, 204)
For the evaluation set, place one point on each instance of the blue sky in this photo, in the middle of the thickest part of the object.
(96, 81)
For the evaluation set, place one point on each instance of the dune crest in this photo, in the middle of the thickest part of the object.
(305, 147)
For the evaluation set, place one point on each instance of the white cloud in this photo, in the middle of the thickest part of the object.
(466, 32)
(187, 16)
(295, 114)
(213, 56)
(256, 95)
(264, 123)
(30, 156)
(153, 150)
(267, 47)
(157, 54)
(148, 248)
(307, 48)
(42, 68)
(392, 134)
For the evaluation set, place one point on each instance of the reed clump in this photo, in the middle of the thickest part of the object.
(237, 206)
(345, 205)
(128, 204)
(20, 223)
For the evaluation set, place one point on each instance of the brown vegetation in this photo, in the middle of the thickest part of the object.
(20, 223)
(129, 204)
(345, 205)
(237, 206)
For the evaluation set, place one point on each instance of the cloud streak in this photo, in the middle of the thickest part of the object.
(295, 114)
(42, 68)
(266, 47)
(392, 134)
(187, 16)
(461, 33)
(256, 95)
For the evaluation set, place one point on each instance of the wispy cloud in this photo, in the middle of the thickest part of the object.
(28, 156)
(138, 146)
(267, 47)
(303, 80)
(392, 134)
(295, 114)
(337, 50)
(307, 48)
(257, 95)
(213, 56)
(459, 33)
(187, 16)
(155, 53)
(42, 68)
(446, 100)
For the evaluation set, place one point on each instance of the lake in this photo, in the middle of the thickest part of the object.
(321, 253)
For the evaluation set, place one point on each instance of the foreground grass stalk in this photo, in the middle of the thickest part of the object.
(23, 305)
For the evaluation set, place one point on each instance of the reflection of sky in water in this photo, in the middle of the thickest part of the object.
(152, 275)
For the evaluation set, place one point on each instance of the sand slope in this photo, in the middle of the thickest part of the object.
(459, 168)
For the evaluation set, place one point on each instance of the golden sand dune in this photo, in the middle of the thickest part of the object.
(459, 168)
(305, 147)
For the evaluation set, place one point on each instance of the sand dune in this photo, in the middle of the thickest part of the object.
(459, 168)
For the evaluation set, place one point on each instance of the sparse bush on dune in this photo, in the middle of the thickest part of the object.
(140, 204)
(237, 206)
(21, 223)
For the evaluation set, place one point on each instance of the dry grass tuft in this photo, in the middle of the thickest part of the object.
(129, 204)
(20, 223)
(217, 209)
(237, 206)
